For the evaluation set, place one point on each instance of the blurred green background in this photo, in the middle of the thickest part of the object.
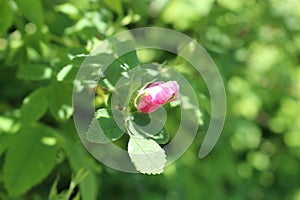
(256, 46)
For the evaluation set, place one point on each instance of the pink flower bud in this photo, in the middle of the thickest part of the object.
(158, 93)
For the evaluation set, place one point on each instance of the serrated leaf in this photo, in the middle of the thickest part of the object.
(29, 159)
(34, 106)
(34, 72)
(103, 128)
(6, 16)
(32, 10)
(60, 101)
(146, 155)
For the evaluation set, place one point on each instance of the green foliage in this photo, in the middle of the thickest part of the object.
(76, 179)
(34, 72)
(142, 120)
(60, 104)
(109, 129)
(147, 156)
(80, 160)
(6, 15)
(26, 7)
(34, 106)
(30, 158)
(255, 45)
(115, 5)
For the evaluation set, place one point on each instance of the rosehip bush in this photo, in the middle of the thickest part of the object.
(43, 43)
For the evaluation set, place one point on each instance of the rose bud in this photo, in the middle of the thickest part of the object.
(158, 93)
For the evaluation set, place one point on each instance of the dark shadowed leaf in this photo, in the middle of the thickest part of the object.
(142, 127)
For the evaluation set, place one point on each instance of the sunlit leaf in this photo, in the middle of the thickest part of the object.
(28, 160)
(35, 105)
(9, 124)
(146, 155)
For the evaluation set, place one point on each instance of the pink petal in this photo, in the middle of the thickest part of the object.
(157, 94)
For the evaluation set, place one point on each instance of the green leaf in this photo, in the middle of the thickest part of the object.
(67, 73)
(76, 179)
(126, 59)
(91, 68)
(30, 159)
(53, 195)
(193, 10)
(114, 72)
(34, 72)
(109, 129)
(68, 8)
(6, 16)
(146, 155)
(115, 5)
(141, 121)
(9, 124)
(34, 106)
(32, 10)
(17, 56)
(161, 137)
(5, 142)
(60, 101)
(130, 57)
(80, 159)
